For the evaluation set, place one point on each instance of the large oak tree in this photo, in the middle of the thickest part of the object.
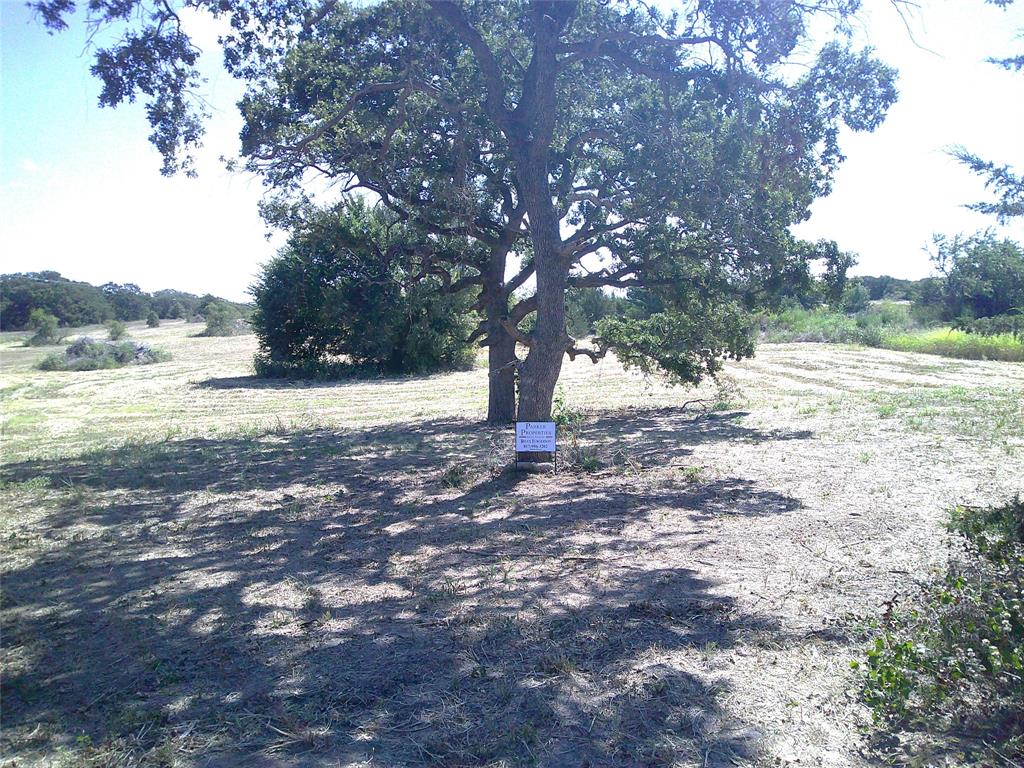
(610, 144)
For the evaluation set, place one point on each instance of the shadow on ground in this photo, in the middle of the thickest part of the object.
(323, 598)
(354, 377)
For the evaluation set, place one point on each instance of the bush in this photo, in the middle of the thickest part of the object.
(116, 330)
(224, 320)
(46, 329)
(950, 663)
(856, 298)
(152, 320)
(88, 354)
(329, 304)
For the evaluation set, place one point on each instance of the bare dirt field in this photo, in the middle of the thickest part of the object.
(203, 569)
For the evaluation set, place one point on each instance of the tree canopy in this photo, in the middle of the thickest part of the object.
(609, 144)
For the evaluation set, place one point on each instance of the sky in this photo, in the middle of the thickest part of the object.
(81, 192)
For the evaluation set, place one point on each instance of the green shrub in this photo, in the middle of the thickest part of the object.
(87, 354)
(224, 320)
(46, 329)
(330, 302)
(872, 326)
(949, 663)
(152, 320)
(983, 276)
(868, 327)
(856, 297)
(116, 330)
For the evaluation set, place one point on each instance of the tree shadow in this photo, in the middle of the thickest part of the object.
(355, 376)
(322, 597)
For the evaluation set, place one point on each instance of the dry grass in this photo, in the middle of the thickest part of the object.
(203, 569)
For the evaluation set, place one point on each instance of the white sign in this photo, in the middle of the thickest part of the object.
(535, 436)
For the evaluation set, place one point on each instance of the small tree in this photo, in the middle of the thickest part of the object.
(856, 298)
(46, 329)
(116, 330)
(152, 320)
(984, 276)
(222, 320)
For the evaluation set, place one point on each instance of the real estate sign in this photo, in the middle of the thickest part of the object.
(535, 436)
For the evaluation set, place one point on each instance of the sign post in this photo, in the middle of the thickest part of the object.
(535, 446)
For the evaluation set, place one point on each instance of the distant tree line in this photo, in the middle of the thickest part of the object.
(76, 303)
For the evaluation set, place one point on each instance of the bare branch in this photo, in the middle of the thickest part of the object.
(519, 312)
(515, 333)
(523, 275)
(594, 354)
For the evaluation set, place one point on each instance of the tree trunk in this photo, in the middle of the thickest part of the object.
(501, 347)
(501, 355)
(538, 374)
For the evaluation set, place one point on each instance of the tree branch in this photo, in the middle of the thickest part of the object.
(594, 354)
(523, 275)
(515, 333)
(519, 312)
(489, 68)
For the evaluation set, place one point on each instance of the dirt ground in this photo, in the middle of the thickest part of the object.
(345, 576)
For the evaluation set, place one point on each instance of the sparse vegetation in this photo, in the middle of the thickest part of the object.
(949, 342)
(45, 329)
(894, 326)
(116, 330)
(87, 354)
(948, 663)
(869, 326)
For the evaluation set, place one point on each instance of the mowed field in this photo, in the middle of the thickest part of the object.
(204, 569)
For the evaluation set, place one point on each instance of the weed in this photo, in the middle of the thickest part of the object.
(952, 659)
(692, 474)
(456, 476)
(565, 416)
(556, 664)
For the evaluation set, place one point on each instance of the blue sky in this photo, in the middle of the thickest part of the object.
(80, 189)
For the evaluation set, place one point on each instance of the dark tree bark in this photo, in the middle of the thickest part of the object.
(501, 388)
(530, 131)
(501, 347)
